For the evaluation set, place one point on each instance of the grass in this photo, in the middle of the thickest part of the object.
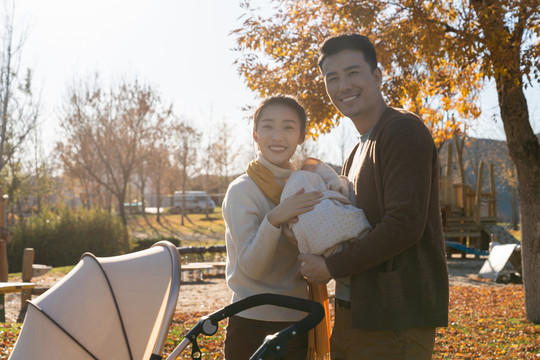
(57, 270)
(197, 228)
(61, 270)
(516, 234)
(211, 346)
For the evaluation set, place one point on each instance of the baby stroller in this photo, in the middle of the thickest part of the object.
(121, 307)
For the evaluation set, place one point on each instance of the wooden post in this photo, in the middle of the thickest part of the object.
(4, 270)
(3, 200)
(478, 198)
(3, 277)
(493, 203)
(3, 238)
(3, 261)
(449, 160)
(447, 196)
(28, 260)
(459, 153)
(3, 241)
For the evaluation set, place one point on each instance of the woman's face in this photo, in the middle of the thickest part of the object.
(278, 133)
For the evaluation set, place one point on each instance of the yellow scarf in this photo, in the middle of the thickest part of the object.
(265, 180)
(319, 337)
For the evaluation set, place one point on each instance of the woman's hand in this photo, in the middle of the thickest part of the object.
(295, 205)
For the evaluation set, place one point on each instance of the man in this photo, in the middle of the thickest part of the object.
(392, 284)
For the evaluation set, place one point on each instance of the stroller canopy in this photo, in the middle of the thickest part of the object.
(105, 308)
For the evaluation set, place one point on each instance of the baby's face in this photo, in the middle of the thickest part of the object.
(310, 164)
(309, 167)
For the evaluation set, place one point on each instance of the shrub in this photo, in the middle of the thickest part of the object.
(60, 238)
(143, 244)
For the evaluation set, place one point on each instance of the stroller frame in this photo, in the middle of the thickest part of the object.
(133, 298)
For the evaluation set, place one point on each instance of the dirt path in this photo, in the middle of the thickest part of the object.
(212, 293)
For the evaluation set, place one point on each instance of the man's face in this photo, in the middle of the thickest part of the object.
(353, 88)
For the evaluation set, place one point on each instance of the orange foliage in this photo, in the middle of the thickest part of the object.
(485, 322)
(488, 323)
(431, 54)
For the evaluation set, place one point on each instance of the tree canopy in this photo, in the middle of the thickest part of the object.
(107, 132)
(433, 54)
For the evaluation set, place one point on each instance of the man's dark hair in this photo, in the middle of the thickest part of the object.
(285, 100)
(335, 44)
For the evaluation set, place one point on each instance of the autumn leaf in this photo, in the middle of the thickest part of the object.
(485, 322)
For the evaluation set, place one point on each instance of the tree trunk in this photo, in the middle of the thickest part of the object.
(515, 217)
(504, 61)
(524, 149)
(158, 214)
(122, 209)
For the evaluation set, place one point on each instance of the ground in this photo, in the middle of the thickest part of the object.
(212, 293)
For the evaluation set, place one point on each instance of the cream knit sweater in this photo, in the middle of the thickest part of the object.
(259, 258)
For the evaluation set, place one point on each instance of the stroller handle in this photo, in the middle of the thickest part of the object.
(314, 309)
(274, 345)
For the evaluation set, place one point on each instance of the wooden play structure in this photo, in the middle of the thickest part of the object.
(469, 213)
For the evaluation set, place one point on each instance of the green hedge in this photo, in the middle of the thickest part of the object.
(60, 238)
(142, 244)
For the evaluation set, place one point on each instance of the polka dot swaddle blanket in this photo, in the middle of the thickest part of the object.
(334, 220)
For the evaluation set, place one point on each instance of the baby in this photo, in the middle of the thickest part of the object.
(334, 220)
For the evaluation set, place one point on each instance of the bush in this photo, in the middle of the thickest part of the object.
(143, 244)
(59, 239)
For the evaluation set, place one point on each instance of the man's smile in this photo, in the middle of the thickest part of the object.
(349, 98)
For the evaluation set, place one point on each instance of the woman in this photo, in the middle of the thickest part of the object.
(259, 258)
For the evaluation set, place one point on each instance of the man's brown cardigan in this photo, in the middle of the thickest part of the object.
(398, 271)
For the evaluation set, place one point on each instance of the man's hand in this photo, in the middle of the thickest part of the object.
(314, 269)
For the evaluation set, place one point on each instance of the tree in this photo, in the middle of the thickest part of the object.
(41, 168)
(30, 186)
(307, 149)
(436, 56)
(280, 54)
(159, 164)
(105, 132)
(223, 154)
(78, 186)
(172, 182)
(19, 109)
(344, 140)
(187, 139)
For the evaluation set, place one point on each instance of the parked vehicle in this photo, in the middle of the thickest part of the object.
(135, 207)
(196, 201)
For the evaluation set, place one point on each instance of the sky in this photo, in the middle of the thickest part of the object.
(182, 48)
